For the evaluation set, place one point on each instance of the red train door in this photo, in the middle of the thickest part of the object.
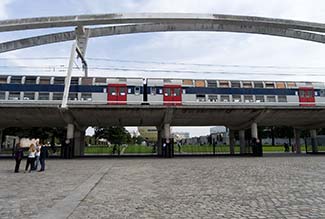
(306, 96)
(172, 95)
(117, 94)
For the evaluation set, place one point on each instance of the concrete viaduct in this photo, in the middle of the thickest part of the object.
(76, 117)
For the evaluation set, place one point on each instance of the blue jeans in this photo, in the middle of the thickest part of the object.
(37, 161)
(42, 164)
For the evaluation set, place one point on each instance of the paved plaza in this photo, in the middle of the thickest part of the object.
(206, 187)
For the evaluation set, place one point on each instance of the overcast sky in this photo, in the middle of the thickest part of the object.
(188, 47)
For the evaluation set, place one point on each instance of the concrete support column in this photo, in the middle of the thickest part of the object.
(242, 141)
(254, 130)
(159, 141)
(79, 142)
(1, 135)
(166, 130)
(70, 131)
(232, 141)
(313, 135)
(297, 140)
(67, 148)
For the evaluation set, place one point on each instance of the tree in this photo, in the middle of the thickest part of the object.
(139, 139)
(115, 134)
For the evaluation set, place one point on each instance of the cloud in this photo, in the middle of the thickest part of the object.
(213, 48)
(3, 8)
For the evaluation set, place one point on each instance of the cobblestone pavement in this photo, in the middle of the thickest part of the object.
(214, 187)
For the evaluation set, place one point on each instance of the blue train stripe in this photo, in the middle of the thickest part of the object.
(131, 89)
(243, 91)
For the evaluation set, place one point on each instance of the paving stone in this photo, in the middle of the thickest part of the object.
(269, 187)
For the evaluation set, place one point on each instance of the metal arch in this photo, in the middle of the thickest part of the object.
(159, 27)
(133, 18)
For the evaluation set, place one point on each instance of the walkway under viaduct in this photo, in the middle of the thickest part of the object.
(238, 118)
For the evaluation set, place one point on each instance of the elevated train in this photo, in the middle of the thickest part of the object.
(103, 90)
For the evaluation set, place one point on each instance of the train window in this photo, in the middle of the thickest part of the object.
(200, 98)
(280, 85)
(291, 84)
(301, 93)
(213, 98)
(112, 91)
(86, 97)
(270, 98)
(177, 92)
(3, 79)
(224, 98)
(259, 99)
(14, 95)
(73, 96)
(235, 84)
(167, 81)
(43, 96)
(153, 91)
(282, 99)
(30, 80)
(269, 84)
(74, 81)
(258, 84)
(123, 91)
(248, 98)
(15, 80)
(212, 84)
(199, 83)
(309, 93)
(223, 83)
(129, 90)
(136, 90)
(247, 84)
(86, 81)
(167, 92)
(57, 96)
(236, 98)
(322, 93)
(100, 80)
(45, 80)
(187, 82)
(2, 95)
(59, 80)
(122, 80)
(29, 96)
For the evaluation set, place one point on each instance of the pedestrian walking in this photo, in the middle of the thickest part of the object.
(18, 155)
(43, 155)
(30, 158)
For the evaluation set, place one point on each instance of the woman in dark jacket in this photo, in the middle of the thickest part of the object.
(18, 155)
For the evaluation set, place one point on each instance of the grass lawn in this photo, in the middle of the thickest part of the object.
(98, 150)
(138, 149)
(124, 150)
(200, 149)
(225, 148)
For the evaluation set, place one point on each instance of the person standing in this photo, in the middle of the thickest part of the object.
(37, 154)
(18, 155)
(30, 158)
(43, 155)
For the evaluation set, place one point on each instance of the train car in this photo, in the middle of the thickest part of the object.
(165, 92)
(168, 92)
